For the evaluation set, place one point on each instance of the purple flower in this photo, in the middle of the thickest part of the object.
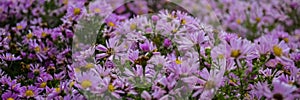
(167, 42)
(101, 8)
(191, 40)
(112, 20)
(155, 18)
(75, 11)
(111, 86)
(148, 46)
(21, 25)
(112, 49)
(8, 95)
(9, 57)
(88, 80)
(29, 91)
(37, 69)
(281, 91)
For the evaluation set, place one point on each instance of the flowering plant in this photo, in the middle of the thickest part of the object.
(86, 49)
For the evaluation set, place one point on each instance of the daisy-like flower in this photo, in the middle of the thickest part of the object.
(29, 91)
(21, 25)
(111, 50)
(190, 40)
(111, 86)
(101, 71)
(9, 57)
(262, 45)
(37, 69)
(39, 48)
(75, 10)
(149, 47)
(100, 7)
(8, 95)
(207, 85)
(112, 20)
(281, 51)
(239, 48)
(88, 80)
(281, 91)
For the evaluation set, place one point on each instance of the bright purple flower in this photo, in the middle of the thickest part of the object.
(76, 11)
(29, 91)
(240, 48)
(37, 69)
(148, 46)
(8, 95)
(112, 20)
(21, 25)
(167, 42)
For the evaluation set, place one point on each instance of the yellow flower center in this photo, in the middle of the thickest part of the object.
(28, 66)
(111, 88)
(44, 34)
(46, 49)
(10, 99)
(235, 53)
(97, 10)
(111, 24)
(30, 35)
(277, 50)
(19, 27)
(65, 2)
(183, 21)
(174, 30)
(286, 40)
(77, 70)
(208, 7)
(178, 61)
(37, 49)
(71, 84)
(291, 82)
(86, 83)
(132, 26)
(43, 85)
(29, 93)
(77, 11)
(257, 19)
(239, 21)
(89, 65)
(9, 37)
(57, 89)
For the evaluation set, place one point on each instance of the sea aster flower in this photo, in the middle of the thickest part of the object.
(8, 95)
(9, 57)
(29, 91)
(111, 50)
(100, 7)
(240, 48)
(281, 91)
(88, 80)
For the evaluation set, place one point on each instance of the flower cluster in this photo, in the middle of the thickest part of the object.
(172, 55)
(36, 47)
(149, 49)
